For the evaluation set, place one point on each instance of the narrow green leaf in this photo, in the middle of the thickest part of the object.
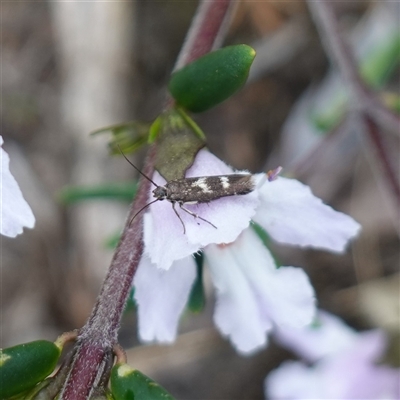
(130, 384)
(114, 191)
(197, 299)
(24, 365)
(129, 136)
(212, 78)
(380, 62)
(155, 129)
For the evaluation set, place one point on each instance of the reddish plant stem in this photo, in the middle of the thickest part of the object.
(97, 338)
(363, 100)
(207, 27)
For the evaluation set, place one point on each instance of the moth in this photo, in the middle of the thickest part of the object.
(202, 189)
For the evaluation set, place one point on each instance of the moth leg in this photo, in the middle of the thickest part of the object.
(180, 219)
(195, 215)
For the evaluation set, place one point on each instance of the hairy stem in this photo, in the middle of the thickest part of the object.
(97, 338)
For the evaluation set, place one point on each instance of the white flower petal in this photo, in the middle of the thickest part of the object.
(291, 214)
(252, 293)
(15, 211)
(230, 215)
(291, 298)
(164, 236)
(161, 297)
(237, 314)
(286, 294)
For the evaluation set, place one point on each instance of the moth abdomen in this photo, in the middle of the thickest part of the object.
(207, 188)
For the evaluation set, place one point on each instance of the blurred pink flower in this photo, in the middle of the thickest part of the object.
(348, 372)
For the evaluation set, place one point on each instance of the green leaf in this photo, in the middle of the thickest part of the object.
(130, 384)
(155, 129)
(129, 136)
(24, 365)
(115, 191)
(197, 299)
(178, 142)
(380, 62)
(212, 78)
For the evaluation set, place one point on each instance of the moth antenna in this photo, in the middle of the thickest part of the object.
(137, 169)
(148, 204)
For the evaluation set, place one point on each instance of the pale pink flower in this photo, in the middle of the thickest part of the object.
(349, 371)
(253, 296)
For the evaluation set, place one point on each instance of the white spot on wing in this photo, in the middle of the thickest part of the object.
(202, 184)
(224, 182)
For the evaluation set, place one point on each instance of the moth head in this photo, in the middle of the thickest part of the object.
(160, 193)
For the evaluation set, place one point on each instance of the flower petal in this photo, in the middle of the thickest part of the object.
(237, 314)
(164, 236)
(15, 211)
(161, 297)
(291, 214)
(293, 380)
(285, 293)
(347, 374)
(252, 293)
(291, 298)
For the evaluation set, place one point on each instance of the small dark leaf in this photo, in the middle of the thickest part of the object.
(197, 298)
(178, 143)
